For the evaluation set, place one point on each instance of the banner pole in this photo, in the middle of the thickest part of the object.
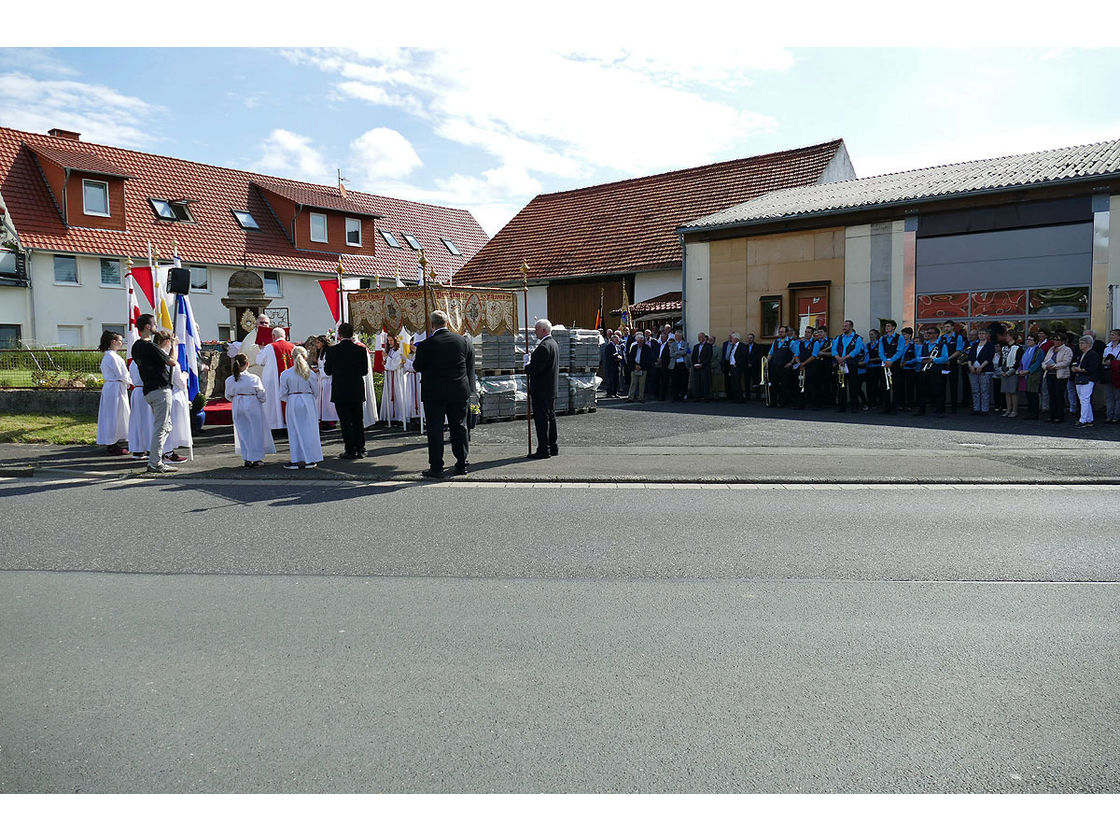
(528, 399)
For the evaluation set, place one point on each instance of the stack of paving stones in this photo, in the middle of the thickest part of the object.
(500, 358)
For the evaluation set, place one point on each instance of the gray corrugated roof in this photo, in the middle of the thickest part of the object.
(1013, 171)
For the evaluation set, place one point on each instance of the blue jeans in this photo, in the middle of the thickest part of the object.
(981, 384)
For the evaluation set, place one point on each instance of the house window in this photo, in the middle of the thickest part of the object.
(245, 219)
(389, 238)
(771, 314)
(10, 336)
(111, 273)
(66, 271)
(450, 246)
(200, 278)
(95, 198)
(354, 232)
(9, 264)
(117, 328)
(225, 332)
(163, 209)
(272, 286)
(411, 240)
(318, 227)
(69, 336)
(171, 211)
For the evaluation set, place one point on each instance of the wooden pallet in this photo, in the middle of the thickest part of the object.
(581, 369)
(499, 372)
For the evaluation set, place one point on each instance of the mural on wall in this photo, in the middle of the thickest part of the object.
(999, 303)
(943, 306)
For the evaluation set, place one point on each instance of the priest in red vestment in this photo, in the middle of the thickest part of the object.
(254, 341)
(275, 358)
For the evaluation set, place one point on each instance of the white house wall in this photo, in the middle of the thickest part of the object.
(648, 284)
(696, 297)
(90, 305)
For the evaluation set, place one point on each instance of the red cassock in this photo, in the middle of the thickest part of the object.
(283, 350)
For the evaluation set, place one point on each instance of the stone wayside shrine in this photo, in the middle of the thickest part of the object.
(245, 300)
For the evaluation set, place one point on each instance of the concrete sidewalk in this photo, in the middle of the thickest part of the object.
(673, 443)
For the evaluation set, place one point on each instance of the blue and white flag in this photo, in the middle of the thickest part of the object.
(190, 345)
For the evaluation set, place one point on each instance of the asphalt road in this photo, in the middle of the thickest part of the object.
(468, 638)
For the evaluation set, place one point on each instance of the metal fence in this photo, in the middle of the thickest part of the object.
(47, 368)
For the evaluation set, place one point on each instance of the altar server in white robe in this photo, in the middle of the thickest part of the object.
(139, 415)
(252, 439)
(412, 397)
(113, 410)
(298, 386)
(369, 408)
(180, 418)
(316, 359)
(392, 388)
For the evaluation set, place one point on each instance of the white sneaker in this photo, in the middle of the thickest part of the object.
(292, 466)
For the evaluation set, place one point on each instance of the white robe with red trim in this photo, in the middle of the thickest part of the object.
(275, 359)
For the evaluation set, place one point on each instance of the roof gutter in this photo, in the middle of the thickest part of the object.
(863, 208)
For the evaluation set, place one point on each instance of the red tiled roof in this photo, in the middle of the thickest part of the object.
(631, 225)
(316, 195)
(82, 161)
(216, 238)
(668, 302)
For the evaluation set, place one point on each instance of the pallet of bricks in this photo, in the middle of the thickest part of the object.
(499, 362)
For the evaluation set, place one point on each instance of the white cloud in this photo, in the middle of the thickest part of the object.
(382, 153)
(567, 114)
(289, 155)
(100, 114)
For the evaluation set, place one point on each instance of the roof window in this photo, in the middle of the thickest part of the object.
(450, 246)
(245, 219)
(389, 238)
(411, 240)
(171, 211)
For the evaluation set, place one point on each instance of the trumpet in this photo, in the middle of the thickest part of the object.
(764, 383)
(801, 378)
(888, 376)
(840, 381)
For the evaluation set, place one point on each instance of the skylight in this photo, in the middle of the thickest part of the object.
(388, 237)
(450, 246)
(411, 240)
(245, 219)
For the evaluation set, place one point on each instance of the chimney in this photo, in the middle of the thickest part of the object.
(63, 133)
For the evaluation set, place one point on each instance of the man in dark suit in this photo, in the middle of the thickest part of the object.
(753, 365)
(702, 369)
(640, 361)
(543, 368)
(733, 361)
(446, 362)
(348, 363)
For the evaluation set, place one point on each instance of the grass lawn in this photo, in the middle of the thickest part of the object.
(62, 429)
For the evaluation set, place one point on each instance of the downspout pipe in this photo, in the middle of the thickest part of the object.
(684, 283)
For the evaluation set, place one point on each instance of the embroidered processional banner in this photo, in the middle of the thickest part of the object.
(468, 310)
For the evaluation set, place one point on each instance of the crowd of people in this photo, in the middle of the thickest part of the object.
(944, 368)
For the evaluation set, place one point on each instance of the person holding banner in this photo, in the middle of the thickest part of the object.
(113, 409)
(392, 388)
(155, 367)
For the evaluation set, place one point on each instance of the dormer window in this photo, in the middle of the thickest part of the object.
(389, 238)
(245, 219)
(95, 198)
(171, 211)
(411, 240)
(354, 232)
(318, 227)
(450, 246)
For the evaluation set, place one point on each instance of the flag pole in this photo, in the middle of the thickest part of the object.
(423, 288)
(528, 398)
(341, 297)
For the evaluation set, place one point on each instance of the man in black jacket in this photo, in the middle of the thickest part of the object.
(733, 363)
(446, 361)
(543, 368)
(348, 363)
(702, 369)
(154, 366)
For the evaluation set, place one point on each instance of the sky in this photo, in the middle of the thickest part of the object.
(488, 126)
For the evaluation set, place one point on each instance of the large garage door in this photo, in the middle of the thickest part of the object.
(574, 304)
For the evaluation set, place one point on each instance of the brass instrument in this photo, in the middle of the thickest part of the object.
(764, 383)
(801, 377)
(840, 381)
(888, 376)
